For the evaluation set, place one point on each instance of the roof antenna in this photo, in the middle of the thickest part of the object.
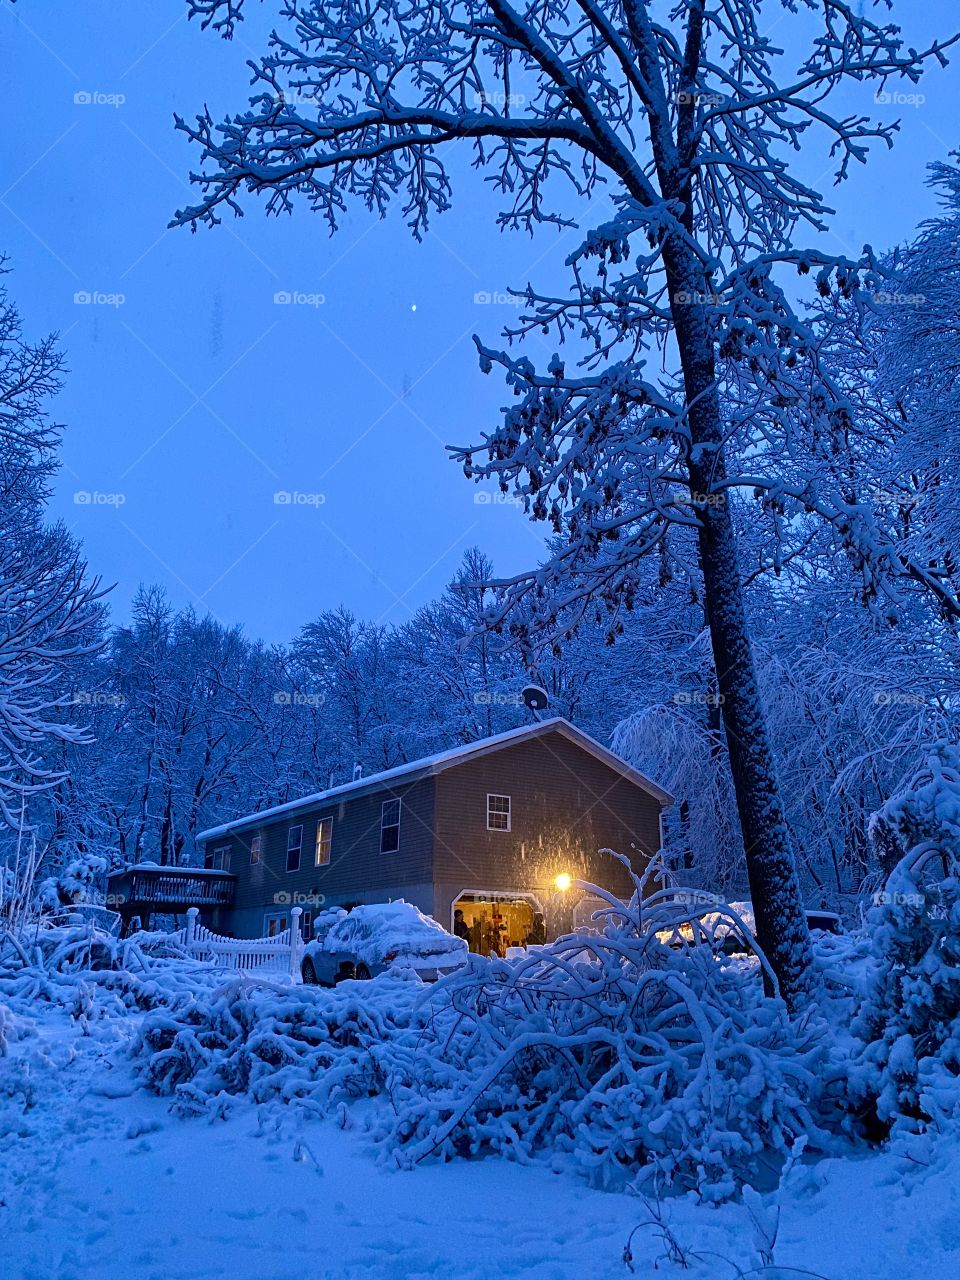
(535, 699)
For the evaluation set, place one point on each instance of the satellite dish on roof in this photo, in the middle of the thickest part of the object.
(535, 698)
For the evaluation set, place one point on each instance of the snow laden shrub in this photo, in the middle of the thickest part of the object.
(638, 1052)
(261, 1041)
(53, 964)
(80, 881)
(906, 1077)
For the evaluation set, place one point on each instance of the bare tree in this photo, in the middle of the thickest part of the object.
(48, 611)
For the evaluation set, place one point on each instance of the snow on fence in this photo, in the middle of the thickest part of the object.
(279, 954)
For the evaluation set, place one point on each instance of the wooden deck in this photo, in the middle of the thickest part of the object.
(148, 890)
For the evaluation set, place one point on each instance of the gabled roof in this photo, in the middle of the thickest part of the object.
(431, 765)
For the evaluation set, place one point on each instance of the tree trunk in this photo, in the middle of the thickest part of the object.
(774, 887)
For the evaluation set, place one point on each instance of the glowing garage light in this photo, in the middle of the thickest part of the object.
(563, 882)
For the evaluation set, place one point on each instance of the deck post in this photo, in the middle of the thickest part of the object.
(295, 914)
(191, 929)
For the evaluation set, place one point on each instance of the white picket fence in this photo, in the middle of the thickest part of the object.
(279, 955)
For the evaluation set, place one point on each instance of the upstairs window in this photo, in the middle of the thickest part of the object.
(256, 851)
(324, 842)
(294, 844)
(218, 859)
(498, 813)
(390, 826)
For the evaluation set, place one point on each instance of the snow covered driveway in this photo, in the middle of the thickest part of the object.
(99, 1180)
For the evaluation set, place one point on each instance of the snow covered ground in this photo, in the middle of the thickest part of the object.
(98, 1179)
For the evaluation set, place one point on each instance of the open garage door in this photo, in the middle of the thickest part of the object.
(495, 921)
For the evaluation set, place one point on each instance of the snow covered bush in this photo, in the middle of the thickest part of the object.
(79, 881)
(53, 964)
(906, 1078)
(260, 1041)
(635, 1053)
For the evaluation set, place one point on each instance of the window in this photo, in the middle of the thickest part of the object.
(218, 859)
(256, 851)
(294, 843)
(306, 925)
(498, 813)
(390, 826)
(274, 923)
(324, 842)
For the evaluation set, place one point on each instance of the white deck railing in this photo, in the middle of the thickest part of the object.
(279, 954)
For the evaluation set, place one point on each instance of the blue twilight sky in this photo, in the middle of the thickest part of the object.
(194, 398)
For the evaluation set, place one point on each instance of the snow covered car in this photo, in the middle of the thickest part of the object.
(371, 940)
(727, 935)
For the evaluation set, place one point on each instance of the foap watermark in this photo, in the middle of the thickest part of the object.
(297, 698)
(698, 698)
(888, 298)
(687, 298)
(497, 298)
(498, 98)
(894, 698)
(699, 500)
(887, 898)
(287, 898)
(893, 498)
(704, 98)
(94, 498)
(98, 298)
(97, 98)
(496, 699)
(295, 498)
(897, 98)
(97, 698)
(698, 898)
(294, 98)
(298, 298)
(484, 498)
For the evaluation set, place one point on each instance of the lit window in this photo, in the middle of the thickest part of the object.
(324, 841)
(294, 843)
(390, 826)
(498, 813)
(256, 850)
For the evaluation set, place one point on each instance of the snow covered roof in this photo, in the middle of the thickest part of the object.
(434, 764)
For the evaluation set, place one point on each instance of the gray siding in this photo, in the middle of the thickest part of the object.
(358, 871)
(566, 806)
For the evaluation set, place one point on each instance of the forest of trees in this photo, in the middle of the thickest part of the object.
(138, 736)
(774, 633)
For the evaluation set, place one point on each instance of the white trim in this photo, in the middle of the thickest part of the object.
(397, 800)
(499, 795)
(327, 817)
(278, 914)
(294, 826)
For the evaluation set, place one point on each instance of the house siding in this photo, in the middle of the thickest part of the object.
(358, 871)
(566, 805)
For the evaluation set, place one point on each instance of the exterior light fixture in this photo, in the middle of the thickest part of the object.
(562, 882)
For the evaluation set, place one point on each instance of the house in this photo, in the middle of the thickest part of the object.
(497, 829)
